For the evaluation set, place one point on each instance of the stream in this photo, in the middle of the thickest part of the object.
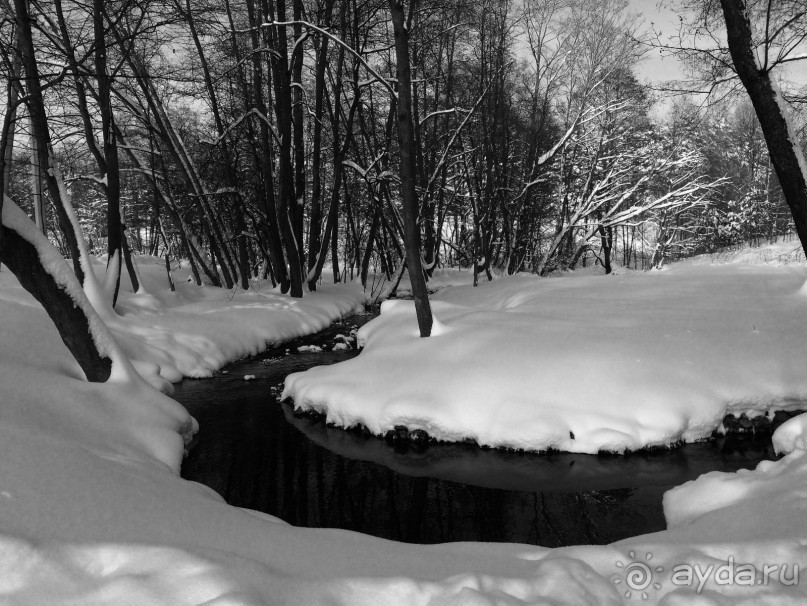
(256, 453)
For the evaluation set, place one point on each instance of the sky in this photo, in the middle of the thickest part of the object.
(655, 67)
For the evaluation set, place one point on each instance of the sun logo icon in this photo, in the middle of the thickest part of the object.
(638, 575)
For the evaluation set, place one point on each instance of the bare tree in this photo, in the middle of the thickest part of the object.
(781, 38)
(406, 149)
(29, 254)
(763, 36)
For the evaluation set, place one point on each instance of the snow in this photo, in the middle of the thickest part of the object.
(92, 511)
(442, 278)
(309, 349)
(195, 331)
(582, 365)
(55, 265)
(784, 109)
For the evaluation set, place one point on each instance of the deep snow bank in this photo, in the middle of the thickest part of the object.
(582, 365)
(194, 331)
(91, 514)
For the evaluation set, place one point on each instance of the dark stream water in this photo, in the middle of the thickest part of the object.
(257, 454)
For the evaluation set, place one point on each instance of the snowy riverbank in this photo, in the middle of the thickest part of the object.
(91, 512)
(578, 364)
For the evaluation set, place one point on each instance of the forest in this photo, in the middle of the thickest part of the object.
(254, 139)
(227, 227)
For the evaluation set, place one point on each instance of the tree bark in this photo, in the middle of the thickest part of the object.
(22, 258)
(785, 154)
(39, 123)
(330, 235)
(229, 168)
(315, 224)
(110, 163)
(368, 249)
(266, 187)
(406, 148)
(283, 111)
(9, 127)
(130, 266)
(297, 215)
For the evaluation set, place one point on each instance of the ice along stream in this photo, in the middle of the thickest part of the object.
(258, 454)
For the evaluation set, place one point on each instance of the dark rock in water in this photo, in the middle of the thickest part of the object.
(419, 439)
(399, 438)
(307, 413)
(397, 435)
(419, 436)
(761, 424)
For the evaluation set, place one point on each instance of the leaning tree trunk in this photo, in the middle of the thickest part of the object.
(783, 148)
(111, 167)
(406, 148)
(39, 124)
(20, 255)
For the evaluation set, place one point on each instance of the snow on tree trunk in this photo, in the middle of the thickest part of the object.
(43, 272)
(97, 295)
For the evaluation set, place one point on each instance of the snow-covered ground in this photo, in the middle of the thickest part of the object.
(93, 512)
(582, 365)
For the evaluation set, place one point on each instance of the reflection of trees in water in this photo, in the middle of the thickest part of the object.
(255, 459)
(308, 486)
(253, 453)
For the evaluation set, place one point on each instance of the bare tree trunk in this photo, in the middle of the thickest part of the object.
(22, 258)
(130, 267)
(110, 164)
(10, 126)
(36, 184)
(242, 261)
(39, 122)
(783, 147)
(265, 189)
(607, 243)
(315, 224)
(331, 232)
(406, 147)
(283, 111)
(297, 213)
(368, 250)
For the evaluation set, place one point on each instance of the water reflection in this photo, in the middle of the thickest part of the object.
(554, 472)
(257, 454)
